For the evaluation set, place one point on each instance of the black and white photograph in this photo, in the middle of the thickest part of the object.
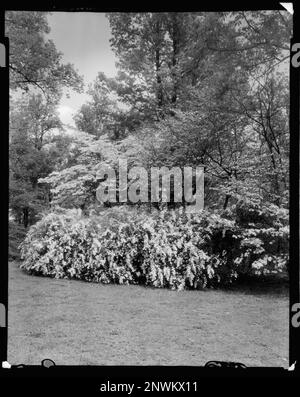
(149, 187)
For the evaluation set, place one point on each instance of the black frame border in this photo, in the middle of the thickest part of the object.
(223, 370)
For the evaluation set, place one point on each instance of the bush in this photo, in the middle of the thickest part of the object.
(264, 238)
(169, 249)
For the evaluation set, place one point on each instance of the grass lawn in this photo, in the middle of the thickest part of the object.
(79, 323)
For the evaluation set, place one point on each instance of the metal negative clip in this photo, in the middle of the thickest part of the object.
(2, 56)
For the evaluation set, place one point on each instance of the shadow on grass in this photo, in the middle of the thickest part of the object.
(277, 284)
(274, 284)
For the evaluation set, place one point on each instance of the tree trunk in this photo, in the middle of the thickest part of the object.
(25, 217)
(160, 98)
(226, 201)
(175, 45)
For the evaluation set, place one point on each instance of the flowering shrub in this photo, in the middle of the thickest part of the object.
(169, 249)
(264, 238)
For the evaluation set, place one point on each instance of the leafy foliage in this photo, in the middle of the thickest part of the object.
(37, 78)
(32, 122)
(34, 60)
(75, 184)
(169, 249)
(191, 89)
(16, 233)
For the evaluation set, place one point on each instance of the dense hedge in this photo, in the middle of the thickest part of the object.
(168, 249)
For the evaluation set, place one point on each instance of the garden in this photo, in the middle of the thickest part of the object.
(151, 279)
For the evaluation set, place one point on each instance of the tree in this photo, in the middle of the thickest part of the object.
(201, 89)
(32, 122)
(37, 79)
(107, 112)
(34, 60)
(149, 48)
(75, 184)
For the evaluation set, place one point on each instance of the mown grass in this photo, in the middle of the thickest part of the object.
(79, 323)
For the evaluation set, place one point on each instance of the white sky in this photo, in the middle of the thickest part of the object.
(83, 38)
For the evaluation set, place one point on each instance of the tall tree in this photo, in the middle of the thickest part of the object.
(34, 59)
(148, 46)
(32, 122)
(37, 80)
